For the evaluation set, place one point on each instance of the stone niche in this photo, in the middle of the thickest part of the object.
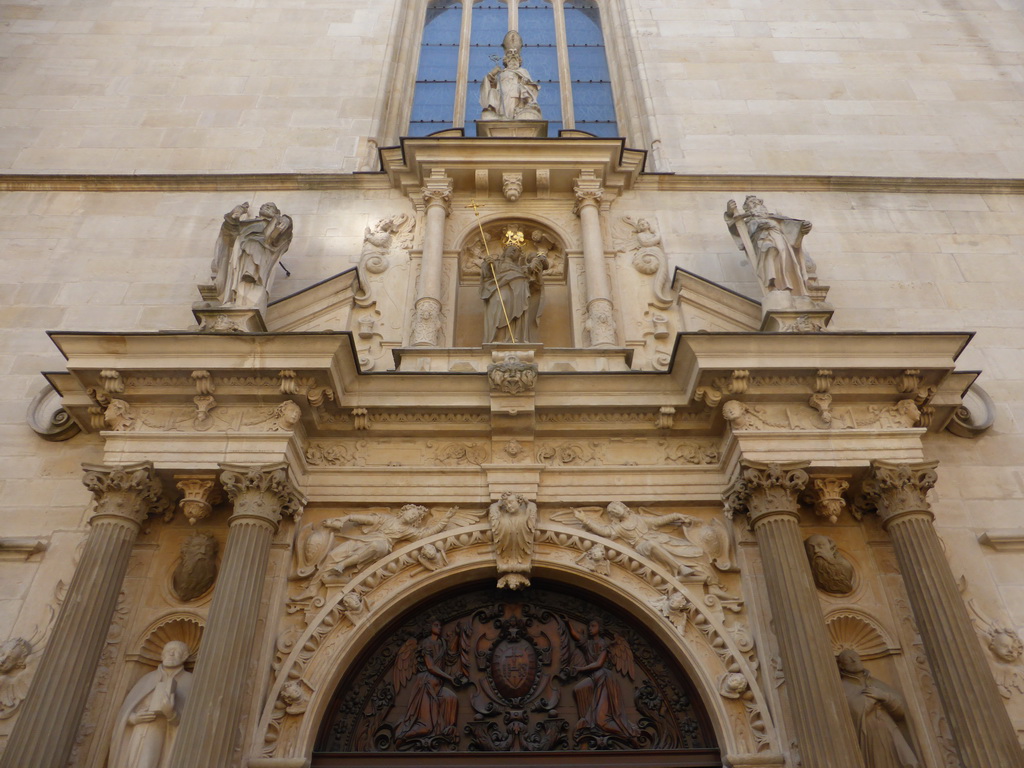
(555, 322)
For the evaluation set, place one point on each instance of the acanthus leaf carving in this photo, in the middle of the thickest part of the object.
(513, 520)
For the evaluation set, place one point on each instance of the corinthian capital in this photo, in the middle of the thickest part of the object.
(766, 489)
(437, 190)
(588, 190)
(263, 492)
(895, 490)
(131, 492)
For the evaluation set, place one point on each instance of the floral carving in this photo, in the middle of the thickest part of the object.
(263, 492)
(762, 489)
(337, 454)
(565, 454)
(133, 492)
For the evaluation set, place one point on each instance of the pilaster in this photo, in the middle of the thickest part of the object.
(769, 494)
(45, 731)
(979, 721)
(209, 728)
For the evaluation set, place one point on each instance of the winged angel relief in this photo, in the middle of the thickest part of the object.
(388, 239)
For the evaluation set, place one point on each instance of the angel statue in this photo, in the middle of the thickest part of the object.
(513, 522)
(637, 529)
(381, 531)
(639, 238)
(385, 238)
(599, 700)
(433, 706)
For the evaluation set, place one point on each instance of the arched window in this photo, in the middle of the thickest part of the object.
(563, 50)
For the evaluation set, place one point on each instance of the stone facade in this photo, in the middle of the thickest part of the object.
(366, 454)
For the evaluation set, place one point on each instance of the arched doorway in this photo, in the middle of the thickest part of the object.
(545, 676)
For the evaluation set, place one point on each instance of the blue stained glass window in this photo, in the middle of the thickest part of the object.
(592, 102)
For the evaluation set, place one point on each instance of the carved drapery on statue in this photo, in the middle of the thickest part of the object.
(542, 671)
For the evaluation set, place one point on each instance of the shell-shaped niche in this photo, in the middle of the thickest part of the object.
(858, 632)
(184, 627)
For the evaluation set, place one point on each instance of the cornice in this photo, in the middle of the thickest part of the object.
(667, 182)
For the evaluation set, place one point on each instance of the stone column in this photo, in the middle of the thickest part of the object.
(48, 723)
(821, 715)
(600, 319)
(977, 717)
(209, 727)
(426, 328)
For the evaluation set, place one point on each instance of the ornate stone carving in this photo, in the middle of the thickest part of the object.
(47, 417)
(200, 494)
(387, 235)
(600, 323)
(147, 722)
(438, 191)
(894, 490)
(512, 375)
(853, 629)
(691, 452)
(261, 492)
(508, 92)
(737, 384)
(118, 415)
(637, 529)
(595, 560)
(242, 276)
(832, 572)
(14, 655)
(774, 243)
(379, 533)
(976, 414)
(426, 323)
(132, 492)
(456, 454)
(640, 240)
(513, 520)
(761, 489)
(826, 494)
(512, 186)
(572, 453)
(197, 568)
(876, 709)
(337, 454)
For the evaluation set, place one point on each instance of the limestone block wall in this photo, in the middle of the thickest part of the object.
(809, 86)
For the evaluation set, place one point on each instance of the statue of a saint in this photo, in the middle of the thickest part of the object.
(773, 242)
(242, 276)
(505, 287)
(875, 708)
(507, 91)
(148, 719)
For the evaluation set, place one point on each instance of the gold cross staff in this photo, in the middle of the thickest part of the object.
(508, 323)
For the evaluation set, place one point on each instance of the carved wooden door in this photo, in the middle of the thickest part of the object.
(483, 677)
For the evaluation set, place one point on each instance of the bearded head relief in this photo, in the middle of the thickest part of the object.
(832, 572)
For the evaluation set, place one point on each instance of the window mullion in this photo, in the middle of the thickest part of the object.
(462, 77)
(568, 117)
(513, 15)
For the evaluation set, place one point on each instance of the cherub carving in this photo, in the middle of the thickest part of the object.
(637, 529)
(387, 238)
(14, 655)
(379, 534)
(638, 238)
(599, 699)
(513, 522)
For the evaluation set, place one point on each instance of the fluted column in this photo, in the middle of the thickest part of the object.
(426, 328)
(209, 726)
(824, 729)
(977, 717)
(46, 728)
(600, 318)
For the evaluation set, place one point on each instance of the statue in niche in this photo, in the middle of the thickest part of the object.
(433, 705)
(507, 91)
(637, 529)
(247, 252)
(148, 719)
(14, 655)
(832, 572)
(197, 569)
(774, 243)
(876, 708)
(510, 285)
(513, 521)
(380, 533)
(598, 695)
